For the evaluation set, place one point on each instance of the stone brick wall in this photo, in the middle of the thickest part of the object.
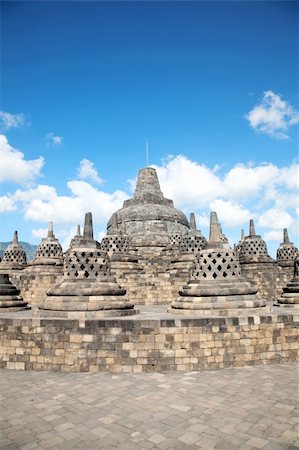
(155, 281)
(34, 287)
(266, 277)
(127, 345)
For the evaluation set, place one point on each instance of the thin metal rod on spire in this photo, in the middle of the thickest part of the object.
(146, 152)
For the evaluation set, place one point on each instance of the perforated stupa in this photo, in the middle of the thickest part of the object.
(14, 256)
(253, 248)
(87, 288)
(217, 286)
(49, 251)
(287, 252)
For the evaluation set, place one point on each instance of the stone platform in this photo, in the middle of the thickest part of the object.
(152, 341)
(249, 408)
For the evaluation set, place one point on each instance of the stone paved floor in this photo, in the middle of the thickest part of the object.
(247, 408)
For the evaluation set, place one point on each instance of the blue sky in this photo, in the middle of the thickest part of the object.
(214, 84)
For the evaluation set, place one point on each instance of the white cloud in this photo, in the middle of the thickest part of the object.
(87, 171)
(275, 218)
(8, 120)
(14, 167)
(44, 204)
(273, 235)
(53, 139)
(189, 183)
(230, 214)
(273, 116)
(7, 204)
(39, 232)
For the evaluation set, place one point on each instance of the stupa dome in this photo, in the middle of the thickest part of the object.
(287, 252)
(147, 210)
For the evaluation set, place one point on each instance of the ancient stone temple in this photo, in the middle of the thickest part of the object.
(44, 271)
(14, 257)
(217, 286)
(257, 266)
(87, 288)
(290, 295)
(144, 240)
(76, 238)
(49, 254)
(10, 299)
(286, 254)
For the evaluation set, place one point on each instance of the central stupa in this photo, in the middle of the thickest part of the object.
(148, 211)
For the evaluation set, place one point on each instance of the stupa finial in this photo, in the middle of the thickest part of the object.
(192, 221)
(15, 239)
(286, 239)
(242, 234)
(215, 233)
(251, 228)
(78, 230)
(50, 230)
(88, 228)
(147, 184)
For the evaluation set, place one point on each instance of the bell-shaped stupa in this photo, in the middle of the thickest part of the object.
(287, 252)
(14, 257)
(217, 286)
(49, 252)
(148, 209)
(194, 241)
(87, 288)
(10, 299)
(253, 248)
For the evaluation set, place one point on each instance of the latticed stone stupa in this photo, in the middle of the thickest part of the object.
(10, 299)
(287, 252)
(217, 286)
(257, 266)
(194, 241)
(253, 248)
(87, 288)
(49, 254)
(76, 238)
(14, 257)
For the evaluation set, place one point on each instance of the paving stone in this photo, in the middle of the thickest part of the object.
(225, 409)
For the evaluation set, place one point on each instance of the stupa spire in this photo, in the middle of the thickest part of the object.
(192, 222)
(251, 228)
(50, 230)
(215, 233)
(286, 239)
(88, 227)
(242, 234)
(147, 184)
(78, 230)
(15, 239)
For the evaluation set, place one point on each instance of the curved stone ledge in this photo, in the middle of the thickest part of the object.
(151, 341)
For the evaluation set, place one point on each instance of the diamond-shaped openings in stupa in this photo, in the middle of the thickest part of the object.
(287, 253)
(253, 248)
(217, 286)
(14, 256)
(87, 288)
(10, 299)
(49, 251)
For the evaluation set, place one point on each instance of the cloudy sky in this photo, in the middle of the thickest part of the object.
(213, 87)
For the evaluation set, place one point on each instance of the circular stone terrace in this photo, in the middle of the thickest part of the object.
(151, 341)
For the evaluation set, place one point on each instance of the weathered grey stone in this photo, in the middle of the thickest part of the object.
(87, 284)
(287, 252)
(10, 299)
(14, 257)
(216, 285)
(290, 295)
